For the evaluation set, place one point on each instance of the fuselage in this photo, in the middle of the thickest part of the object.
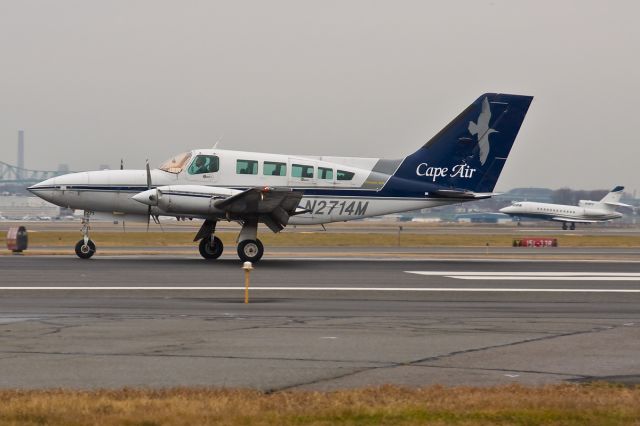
(593, 212)
(335, 188)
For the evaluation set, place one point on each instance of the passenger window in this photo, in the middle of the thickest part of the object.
(324, 173)
(342, 175)
(301, 171)
(274, 169)
(246, 167)
(204, 164)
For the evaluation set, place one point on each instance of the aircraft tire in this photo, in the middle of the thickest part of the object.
(250, 250)
(208, 252)
(85, 251)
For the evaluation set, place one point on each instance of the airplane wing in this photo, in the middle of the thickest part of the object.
(273, 206)
(260, 200)
(565, 219)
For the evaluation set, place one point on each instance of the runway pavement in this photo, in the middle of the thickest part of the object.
(535, 228)
(315, 324)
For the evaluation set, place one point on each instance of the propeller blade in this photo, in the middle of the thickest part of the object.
(148, 176)
(121, 164)
(148, 187)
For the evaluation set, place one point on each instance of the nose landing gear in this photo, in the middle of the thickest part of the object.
(85, 248)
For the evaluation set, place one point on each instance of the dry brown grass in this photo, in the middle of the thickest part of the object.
(317, 239)
(510, 405)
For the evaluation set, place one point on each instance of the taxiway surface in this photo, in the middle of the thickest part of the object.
(319, 324)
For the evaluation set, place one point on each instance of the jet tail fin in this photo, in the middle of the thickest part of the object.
(614, 196)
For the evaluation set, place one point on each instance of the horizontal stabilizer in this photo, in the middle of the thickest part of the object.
(618, 204)
(453, 193)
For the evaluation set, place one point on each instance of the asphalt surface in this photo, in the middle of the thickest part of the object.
(315, 324)
(534, 228)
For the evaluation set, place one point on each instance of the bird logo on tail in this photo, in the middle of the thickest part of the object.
(482, 130)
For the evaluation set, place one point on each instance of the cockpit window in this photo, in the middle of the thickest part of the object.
(204, 164)
(176, 163)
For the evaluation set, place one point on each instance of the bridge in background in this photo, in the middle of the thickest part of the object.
(16, 180)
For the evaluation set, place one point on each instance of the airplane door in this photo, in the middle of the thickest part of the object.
(204, 169)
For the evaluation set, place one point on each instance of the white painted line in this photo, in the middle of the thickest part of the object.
(533, 276)
(357, 289)
(528, 274)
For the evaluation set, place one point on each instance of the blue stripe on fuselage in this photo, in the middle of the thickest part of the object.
(418, 193)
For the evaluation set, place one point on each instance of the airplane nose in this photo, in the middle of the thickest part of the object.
(508, 209)
(148, 197)
(48, 184)
(45, 189)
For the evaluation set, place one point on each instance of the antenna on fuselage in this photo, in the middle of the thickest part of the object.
(215, 145)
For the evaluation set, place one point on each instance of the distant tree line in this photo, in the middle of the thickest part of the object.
(570, 196)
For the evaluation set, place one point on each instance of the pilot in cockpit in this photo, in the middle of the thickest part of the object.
(201, 165)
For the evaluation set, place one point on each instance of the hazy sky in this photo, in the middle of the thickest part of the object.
(94, 81)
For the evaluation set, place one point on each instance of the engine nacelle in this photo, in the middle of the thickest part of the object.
(186, 199)
(191, 199)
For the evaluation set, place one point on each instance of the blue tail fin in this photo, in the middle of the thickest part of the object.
(470, 152)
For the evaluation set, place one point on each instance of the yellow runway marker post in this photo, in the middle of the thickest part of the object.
(248, 267)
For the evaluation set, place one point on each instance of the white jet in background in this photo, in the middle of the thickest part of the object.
(461, 163)
(585, 212)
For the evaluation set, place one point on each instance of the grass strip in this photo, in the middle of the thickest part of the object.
(566, 404)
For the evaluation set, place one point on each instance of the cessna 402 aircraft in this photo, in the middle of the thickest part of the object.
(461, 163)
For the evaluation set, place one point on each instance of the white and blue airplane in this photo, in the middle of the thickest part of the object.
(461, 163)
(586, 211)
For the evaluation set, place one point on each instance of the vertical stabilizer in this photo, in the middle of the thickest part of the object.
(613, 197)
(470, 152)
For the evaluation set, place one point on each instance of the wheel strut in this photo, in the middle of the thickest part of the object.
(85, 248)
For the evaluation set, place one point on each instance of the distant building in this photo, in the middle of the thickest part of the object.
(20, 207)
(538, 195)
(482, 217)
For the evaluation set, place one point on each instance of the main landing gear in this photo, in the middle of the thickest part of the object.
(250, 248)
(85, 248)
(572, 227)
